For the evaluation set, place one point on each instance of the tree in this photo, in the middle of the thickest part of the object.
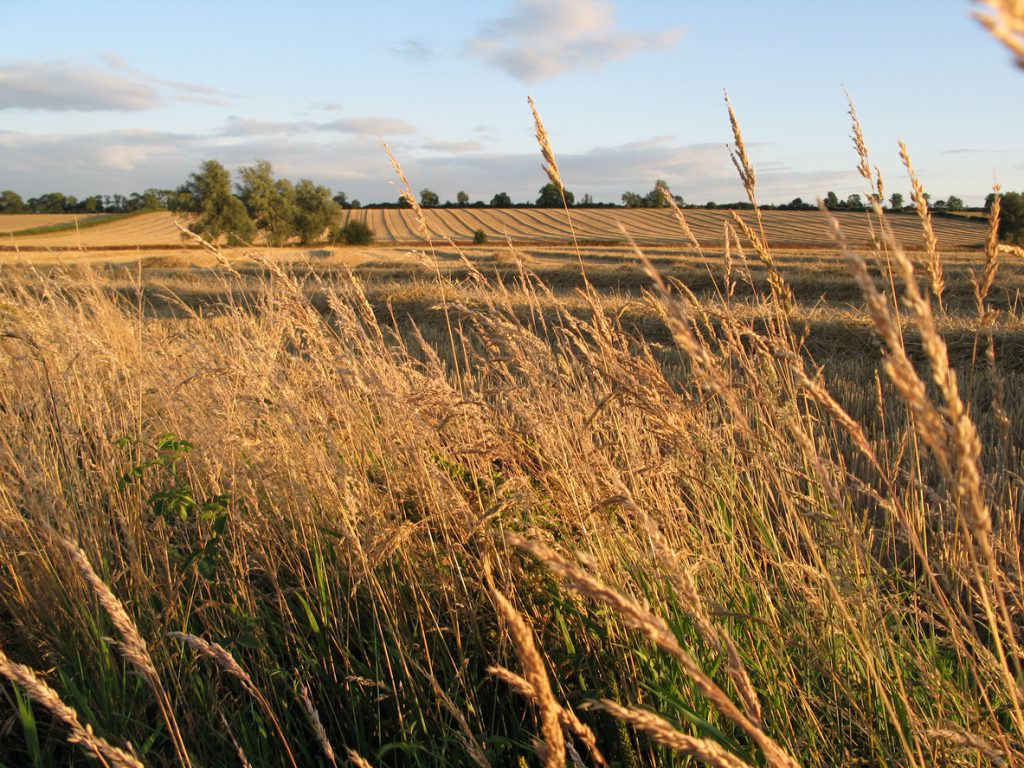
(429, 198)
(270, 203)
(11, 202)
(51, 202)
(315, 211)
(91, 204)
(220, 212)
(1011, 218)
(896, 201)
(854, 203)
(832, 201)
(954, 204)
(462, 199)
(501, 200)
(588, 200)
(150, 200)
(656, 197)
(632, 200)
(342, 200)
(551, 196)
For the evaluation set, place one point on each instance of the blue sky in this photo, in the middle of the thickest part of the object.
(104, 97)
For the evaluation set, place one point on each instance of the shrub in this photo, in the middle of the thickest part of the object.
(1011, 218)
(355, 232)
(479, 237)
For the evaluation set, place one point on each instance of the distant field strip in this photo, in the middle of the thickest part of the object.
(646, 227)
(144, 230)
(524, 225)
(14, 222)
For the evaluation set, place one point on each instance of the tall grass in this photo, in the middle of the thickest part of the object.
(294, 526)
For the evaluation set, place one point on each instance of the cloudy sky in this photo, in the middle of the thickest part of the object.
(105, 97)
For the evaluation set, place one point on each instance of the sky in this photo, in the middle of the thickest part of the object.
(109, 97)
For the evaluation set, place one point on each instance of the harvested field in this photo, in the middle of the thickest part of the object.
(648, 227)
(144, 230)
(537, 226)
(15, 222)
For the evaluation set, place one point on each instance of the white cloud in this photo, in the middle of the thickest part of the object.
(539, 39)
(370, 126)
(65, 85)
(457, 147)
(116, 62)
(243, 127)
(59, 86)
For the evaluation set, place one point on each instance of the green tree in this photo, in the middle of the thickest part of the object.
(220, 212)
(315, 211)
(11, 202)
(462, 199)
(954, 204)
(150, 200)
(896, 201)
(51, 202)
(832, 201)
(342, 200)
(632, 200)
(91, 204)
(501, 200)
(854, 203)
(429, 198)
(1011, 218)
(656, 197)
(551, 196)
(270, 202)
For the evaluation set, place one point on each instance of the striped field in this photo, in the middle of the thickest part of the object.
(527, 226)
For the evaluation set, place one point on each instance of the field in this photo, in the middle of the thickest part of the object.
(13, 222)
(533, 227)
(470, 505)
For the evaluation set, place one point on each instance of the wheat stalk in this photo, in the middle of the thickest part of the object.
(358, 760)
(570, 722)
(318, 726)
(966, 740)
(226, 661)
(43, 695)
(553, 752)
(132, 646)
(663, 732)
(1005, 22)
(656, 630)
(934, 263)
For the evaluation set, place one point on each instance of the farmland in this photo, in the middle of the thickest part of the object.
(804, 229)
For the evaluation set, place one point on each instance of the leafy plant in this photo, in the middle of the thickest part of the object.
(199, 525)
(355, 232)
